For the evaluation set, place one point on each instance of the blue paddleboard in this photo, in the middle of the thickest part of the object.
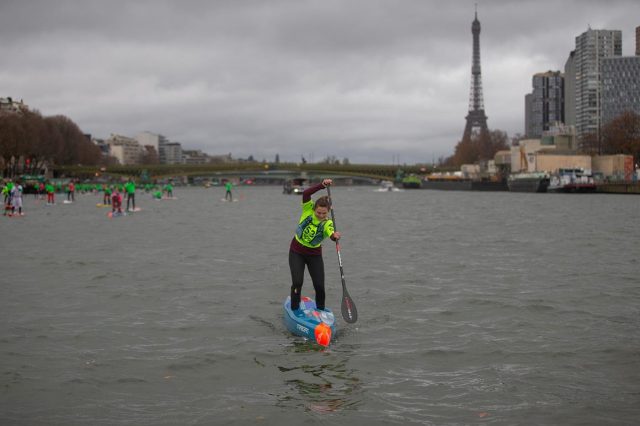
(116, 214)
(309, 322)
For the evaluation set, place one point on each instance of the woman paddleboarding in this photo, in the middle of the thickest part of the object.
(306, 246)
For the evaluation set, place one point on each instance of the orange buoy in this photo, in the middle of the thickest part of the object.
(323, 334)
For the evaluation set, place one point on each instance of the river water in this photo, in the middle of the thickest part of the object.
(474, 308)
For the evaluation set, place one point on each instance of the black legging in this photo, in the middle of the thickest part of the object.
(132, 198)
(315, 264)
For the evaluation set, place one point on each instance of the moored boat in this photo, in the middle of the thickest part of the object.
(446, 182)
(457, 182)
(528, 182)
(411, 182)
(572, 180)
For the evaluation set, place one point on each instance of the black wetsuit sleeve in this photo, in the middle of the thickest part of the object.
(306, 195)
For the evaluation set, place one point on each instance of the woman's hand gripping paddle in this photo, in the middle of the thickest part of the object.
(349, 311)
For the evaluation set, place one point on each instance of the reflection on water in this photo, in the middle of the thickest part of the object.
(324, 387)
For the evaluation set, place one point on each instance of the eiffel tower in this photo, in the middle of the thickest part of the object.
(476, 119)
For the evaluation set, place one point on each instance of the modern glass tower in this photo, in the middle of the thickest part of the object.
(620, 87)
(592, 47)
(570, 90)
(545, 103)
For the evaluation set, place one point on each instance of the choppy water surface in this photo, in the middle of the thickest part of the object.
(490, 308)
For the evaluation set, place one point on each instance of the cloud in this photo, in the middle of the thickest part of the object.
(364, 79)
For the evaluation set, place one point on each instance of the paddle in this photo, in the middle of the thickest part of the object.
(349, 311)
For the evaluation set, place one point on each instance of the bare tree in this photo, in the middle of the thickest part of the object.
(150, 155)
(480, 146)
(28, 141)
(622, 135)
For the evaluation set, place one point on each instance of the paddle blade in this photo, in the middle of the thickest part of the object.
(349, 311)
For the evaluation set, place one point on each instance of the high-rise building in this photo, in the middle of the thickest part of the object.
(570, 90)
(592, 47)
(637, 41)
(620, 87)
(528, 114)
(546, 103)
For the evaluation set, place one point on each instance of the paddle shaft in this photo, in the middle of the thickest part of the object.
(349, 311)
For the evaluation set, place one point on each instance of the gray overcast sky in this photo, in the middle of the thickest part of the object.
(369, 80)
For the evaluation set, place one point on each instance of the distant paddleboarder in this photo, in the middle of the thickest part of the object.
(228, 186)
(106, 199)
(16, 198)
(71, 191)
(130, 189)
(306, 246)
(116, 202)
(7, 192)
(169, 190)
(49, 188)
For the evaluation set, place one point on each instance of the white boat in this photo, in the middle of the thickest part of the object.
(572, 180)
(294, 186)
(387, 186)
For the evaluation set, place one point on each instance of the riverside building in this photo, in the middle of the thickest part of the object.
(126, 150)
(173, 153)
(10, 106)
(159, 142)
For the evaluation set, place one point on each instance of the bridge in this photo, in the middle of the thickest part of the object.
(272, 172)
